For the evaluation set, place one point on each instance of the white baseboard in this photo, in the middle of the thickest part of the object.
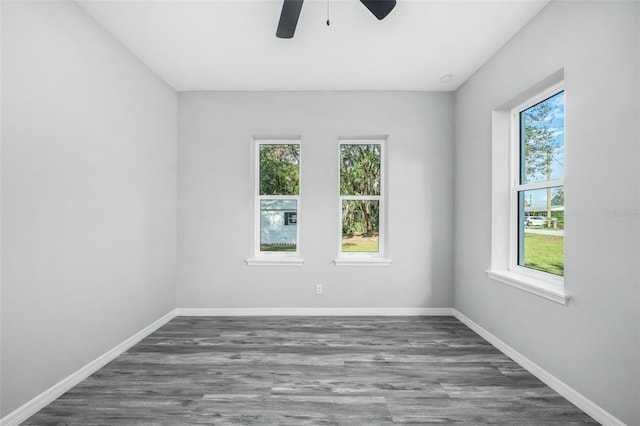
(27, 410)
(575, 397)
(30, 408)
(231, 312)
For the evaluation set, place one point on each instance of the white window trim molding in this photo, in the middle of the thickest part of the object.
(362, 261)
(504, 238)
(366, 258)
(267, 260)
(273, 258)
(517, 186)
(542, 288)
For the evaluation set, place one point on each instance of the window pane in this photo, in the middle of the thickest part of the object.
(279, 169)
(360, 225)
(542, 141)
(360, 169)
(541, 229)
(278, 225)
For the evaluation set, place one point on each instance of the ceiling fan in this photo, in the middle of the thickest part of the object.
(291, 12)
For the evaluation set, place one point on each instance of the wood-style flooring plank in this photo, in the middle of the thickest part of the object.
(311, 371)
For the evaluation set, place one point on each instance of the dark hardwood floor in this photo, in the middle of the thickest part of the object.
(311, 371)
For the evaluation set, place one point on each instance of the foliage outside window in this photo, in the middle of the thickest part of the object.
(361, 197)
(539, 184)
(278, 196)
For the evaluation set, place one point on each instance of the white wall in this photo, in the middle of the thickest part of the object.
(88, 196)
(593, 343)
(214, 171)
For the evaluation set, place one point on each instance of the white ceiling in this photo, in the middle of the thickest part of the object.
(231, 44)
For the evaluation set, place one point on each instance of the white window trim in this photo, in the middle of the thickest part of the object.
(261, 258)
(362, 261)
(366, 258)
(504, 262)
(532, 285)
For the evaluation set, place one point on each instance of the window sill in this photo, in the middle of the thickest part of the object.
(362, 261)
(535, 286)
(274, 261)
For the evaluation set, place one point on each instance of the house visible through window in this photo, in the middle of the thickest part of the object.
(278, 196)
(361, 197)
(538, 190)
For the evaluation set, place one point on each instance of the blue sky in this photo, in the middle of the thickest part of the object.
(557, 127)
(538, 198)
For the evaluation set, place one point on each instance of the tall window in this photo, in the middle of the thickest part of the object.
(277, 197)
(538, 189)
(361, 198)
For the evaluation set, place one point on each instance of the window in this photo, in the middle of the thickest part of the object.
(538, 190)
(277, 185)
(528, 208)
(361, 202)
(290, 218)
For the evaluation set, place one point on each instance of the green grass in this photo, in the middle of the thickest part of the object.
(544, 252)
(277, 247)
(360, 244)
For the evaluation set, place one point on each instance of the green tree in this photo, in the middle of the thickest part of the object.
(279, 169)
(360, 176)
(541, 142)
(360, 169)
(557, 199)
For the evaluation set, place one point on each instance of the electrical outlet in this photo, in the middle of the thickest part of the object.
(318, 288)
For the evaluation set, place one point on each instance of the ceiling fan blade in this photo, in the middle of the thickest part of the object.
(289, 18)
(380, 8)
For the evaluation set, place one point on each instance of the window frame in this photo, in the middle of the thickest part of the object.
(277, 258)
(504, 200)
(365, 258)
(517, 186)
